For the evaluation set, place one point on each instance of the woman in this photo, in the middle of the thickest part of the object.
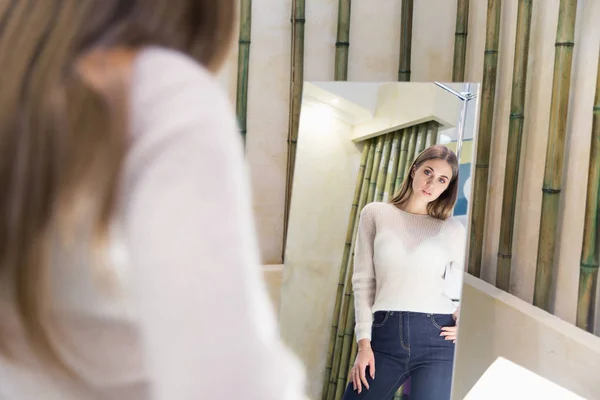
(407, 277)
(128, 261)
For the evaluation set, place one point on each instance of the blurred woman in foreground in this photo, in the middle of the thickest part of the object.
(128, 259)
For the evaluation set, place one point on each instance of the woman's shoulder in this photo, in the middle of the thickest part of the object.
(375, 208)
(170, 89)
(455, 227)
(165, 78)
(166, 65)
(177, 106)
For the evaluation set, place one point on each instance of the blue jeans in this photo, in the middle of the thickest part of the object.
(408, 344)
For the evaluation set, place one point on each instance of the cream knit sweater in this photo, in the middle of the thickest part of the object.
(405, 262)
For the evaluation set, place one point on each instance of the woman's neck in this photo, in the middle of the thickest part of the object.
(414, 207)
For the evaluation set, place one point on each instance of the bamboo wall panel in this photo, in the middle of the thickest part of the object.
(460, 41)
(513, 152)
(555, 152)
(484, 138)
(590, 252)
(342, 44)
(241, 104)
(296, 83)
(406, 24)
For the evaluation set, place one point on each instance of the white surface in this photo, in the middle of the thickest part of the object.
(495, 324)
(505, 380)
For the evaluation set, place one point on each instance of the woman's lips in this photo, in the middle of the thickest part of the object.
(426, 192)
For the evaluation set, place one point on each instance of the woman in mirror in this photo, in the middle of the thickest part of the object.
(408, 263)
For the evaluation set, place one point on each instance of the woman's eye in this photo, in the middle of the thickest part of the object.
(427, 172)
(442, 181)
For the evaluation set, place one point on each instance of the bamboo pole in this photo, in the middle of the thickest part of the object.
(363, 171)
(412, 149)
(346, 351)
(241, 104)
(383, 167)
(590, 252)
(405, 40)
(513, 152)
(378, 153)
(484, 139)
(410, 155)
(406, 134)
(342, 43)
(399, 395)
(353, 353)
(432, 135)
(555, 153)
(296, 82)
(392, 167)
(421, 138)
(343, 341)
(460, 41)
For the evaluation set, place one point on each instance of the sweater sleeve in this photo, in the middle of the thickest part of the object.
(363, 278)
(454, 274)
(207, 326)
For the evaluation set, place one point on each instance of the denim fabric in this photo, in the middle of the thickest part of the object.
(408, 344)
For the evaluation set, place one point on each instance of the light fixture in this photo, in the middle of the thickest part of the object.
(464, 97)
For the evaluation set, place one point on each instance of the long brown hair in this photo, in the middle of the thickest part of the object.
(64, 79)
(442, 206)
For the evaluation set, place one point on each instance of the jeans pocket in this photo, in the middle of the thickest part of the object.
(380, 318)
(442, 320)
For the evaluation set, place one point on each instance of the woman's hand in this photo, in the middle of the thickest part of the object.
(364, 358)
(450, 332)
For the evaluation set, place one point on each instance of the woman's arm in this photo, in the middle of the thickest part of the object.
(363, 278)
(207, 325)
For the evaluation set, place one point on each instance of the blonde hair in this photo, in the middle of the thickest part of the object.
(65, 68)
(441, 207)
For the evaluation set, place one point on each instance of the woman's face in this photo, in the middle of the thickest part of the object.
(431, 179)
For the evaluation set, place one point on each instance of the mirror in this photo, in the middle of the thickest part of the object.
(389, 273)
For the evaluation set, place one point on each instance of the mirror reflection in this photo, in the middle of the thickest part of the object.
(377, 237)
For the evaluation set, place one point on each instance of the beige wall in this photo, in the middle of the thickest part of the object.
(268, 111)
(495, 324)
(273, 275)
(374, 43)
(327, 165)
